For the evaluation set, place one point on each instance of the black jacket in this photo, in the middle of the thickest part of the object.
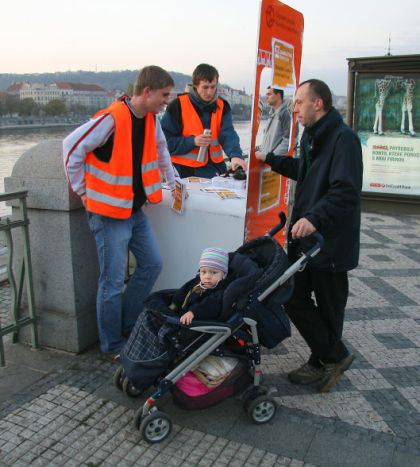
(327, 191)
(205, 306)
(217, 303)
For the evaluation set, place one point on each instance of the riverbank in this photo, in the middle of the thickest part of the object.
(73, 123)
(25, 126)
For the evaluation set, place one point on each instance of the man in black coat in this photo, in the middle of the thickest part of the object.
(329, 181)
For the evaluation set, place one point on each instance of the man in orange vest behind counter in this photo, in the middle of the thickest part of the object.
(113, 162)
(184, 124)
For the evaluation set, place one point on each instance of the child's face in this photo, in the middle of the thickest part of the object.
(209, 277)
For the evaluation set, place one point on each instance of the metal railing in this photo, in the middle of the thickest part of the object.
(24, 275)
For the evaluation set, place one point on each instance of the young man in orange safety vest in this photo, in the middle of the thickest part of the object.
(184, 124)
(114, 163)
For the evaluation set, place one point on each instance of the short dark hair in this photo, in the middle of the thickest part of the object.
(153, 77)
(204, 72)
(320, 90)
(277, 91)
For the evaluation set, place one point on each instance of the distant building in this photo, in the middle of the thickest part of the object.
(340, 103)
(235, 96)
(90, 96)
(86, 95)
(14, 89)
(40, 93)
(93, 96)
(115, 94)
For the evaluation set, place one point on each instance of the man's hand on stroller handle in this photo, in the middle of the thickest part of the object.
(187, 318)
(302, 228)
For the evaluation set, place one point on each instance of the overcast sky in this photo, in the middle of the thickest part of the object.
(47, 36)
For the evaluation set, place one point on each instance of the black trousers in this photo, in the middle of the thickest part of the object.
(320, 323)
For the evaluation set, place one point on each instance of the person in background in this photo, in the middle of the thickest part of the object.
(187, 117)
(277, 132)
(329, 181)
(114, 163)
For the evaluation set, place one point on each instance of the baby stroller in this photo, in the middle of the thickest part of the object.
(253, 313)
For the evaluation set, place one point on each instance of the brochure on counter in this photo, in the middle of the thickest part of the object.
(224, 193)
(210, 186)
(178, 203)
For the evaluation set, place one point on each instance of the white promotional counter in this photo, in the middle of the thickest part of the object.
(207, 221)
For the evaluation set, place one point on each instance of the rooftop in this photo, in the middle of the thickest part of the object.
(79, 86)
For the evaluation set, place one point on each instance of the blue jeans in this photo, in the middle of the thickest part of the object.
(117, 309)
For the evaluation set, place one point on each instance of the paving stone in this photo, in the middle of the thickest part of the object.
(236, 463)
(372, 413)
(411, 254)
(283, 461)
(388, 292)
(379, 257)
(394, 341)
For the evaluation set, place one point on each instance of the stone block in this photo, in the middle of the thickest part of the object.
(64, 261)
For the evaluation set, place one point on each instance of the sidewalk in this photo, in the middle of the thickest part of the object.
(58, 409)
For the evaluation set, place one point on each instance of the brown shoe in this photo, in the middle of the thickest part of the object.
(113, 357)
(333, 373)
(306, 374)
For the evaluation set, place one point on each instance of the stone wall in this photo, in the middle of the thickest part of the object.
(64, 262)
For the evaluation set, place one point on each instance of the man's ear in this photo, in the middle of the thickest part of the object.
(319, 104)
(146, 91)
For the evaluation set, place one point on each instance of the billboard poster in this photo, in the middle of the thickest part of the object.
(279, 51)
(283, 65)
(387, 120)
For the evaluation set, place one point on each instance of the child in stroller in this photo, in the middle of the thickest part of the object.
(202, 296)
(154, 344)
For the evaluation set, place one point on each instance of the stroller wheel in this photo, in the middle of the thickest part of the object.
(129, 388)
(137, 418)
(262, 409)
(155, 427)
(119, 378)
(251, 393)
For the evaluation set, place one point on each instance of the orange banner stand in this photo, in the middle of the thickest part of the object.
(280, 49)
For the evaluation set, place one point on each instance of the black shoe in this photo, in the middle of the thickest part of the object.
(306, 374)
(333, 373)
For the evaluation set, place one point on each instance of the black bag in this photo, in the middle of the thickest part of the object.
(273, 324)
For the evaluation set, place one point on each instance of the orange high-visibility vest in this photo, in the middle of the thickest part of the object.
(192, 126)
(109, 185)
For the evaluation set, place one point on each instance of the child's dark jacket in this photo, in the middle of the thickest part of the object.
(206, 305)
(213, 304)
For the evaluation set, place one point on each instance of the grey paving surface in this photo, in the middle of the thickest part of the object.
(58, 409)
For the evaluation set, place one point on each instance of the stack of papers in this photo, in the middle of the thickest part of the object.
(228, 182)
(224, 193)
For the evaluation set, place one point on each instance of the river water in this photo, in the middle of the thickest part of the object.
(14, 142)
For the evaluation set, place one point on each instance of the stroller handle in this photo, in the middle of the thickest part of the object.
(282, 216)
(279, 226)
(295, 267)
(319, 238)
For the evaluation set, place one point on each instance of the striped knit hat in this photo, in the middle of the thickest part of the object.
(215, 258)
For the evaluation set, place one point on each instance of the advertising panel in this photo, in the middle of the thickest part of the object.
(280, 51)
(387, 120)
